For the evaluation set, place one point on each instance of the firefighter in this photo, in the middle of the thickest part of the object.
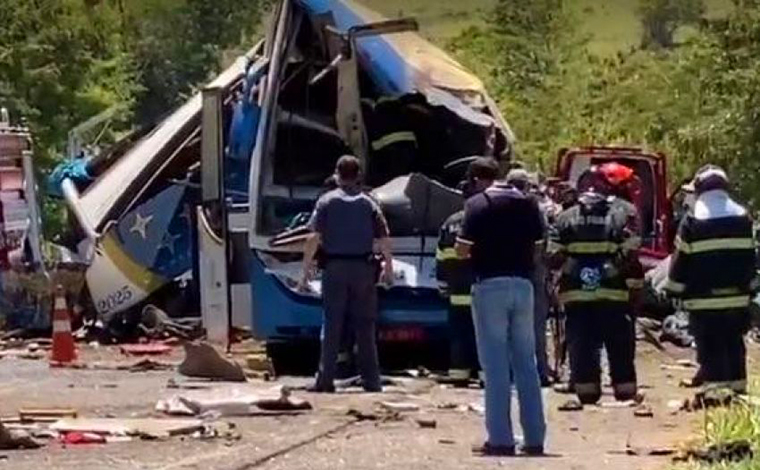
(712, 272)
(455, 278)
(393, 143)
(596, 242)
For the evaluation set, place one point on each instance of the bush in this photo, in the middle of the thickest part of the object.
(698, 103)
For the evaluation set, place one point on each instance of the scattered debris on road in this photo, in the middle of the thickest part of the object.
(735, 451)
(643, 411)
(129, 426)
(202, 360)
(147, 349)
(427, 423)
(646, 452)
(570, 406)
(12, 439)
(227, 403)
(45, 415)
(618, 404)
(400, 407)
(76, 438)
(477, 408)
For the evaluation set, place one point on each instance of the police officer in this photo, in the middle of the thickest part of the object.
(455, 277)
(712, 271)
(347, 224)
(596, 242)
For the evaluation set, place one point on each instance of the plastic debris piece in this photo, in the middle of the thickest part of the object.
(399, 406)
(202, 360)
(75, 438)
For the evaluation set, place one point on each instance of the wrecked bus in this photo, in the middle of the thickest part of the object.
(210, 200)
(341, 79)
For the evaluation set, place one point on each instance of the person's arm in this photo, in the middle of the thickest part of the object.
(383, 244)
(537, 229)
(445, 256)
(463, 248)
(466, 237)
(557, 246)
(310, 251)
(312, 244)
(680, 262)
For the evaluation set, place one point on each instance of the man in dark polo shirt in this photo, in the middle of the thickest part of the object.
(501, 227)
(348, 225)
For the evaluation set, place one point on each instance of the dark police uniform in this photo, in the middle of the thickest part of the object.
(455, 276)
(348, 222)
(712, 272)
(598, 238)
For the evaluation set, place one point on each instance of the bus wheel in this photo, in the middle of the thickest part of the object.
(293, 357)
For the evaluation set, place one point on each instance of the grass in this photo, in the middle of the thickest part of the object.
(612, 25)
(440, 20)
(739, 422)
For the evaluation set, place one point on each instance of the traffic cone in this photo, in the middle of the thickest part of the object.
(64, 351)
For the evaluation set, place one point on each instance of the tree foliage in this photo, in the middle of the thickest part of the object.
(661, 18)
(64, 61)
(698, 103)
(176, 44)
(528, 54)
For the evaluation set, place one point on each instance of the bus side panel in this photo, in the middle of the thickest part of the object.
(278, 313)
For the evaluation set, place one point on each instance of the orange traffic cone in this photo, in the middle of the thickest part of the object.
(64, 351)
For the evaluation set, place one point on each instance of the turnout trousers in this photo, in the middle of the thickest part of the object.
(721, 351)
(591, 325)
(350, 301)
(463, 359)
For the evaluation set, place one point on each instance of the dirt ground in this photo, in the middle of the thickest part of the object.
(328, 438)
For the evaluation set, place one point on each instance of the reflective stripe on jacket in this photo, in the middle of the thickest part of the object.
(598, 239)
(713, 266)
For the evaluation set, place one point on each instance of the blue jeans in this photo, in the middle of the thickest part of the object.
(503, 316)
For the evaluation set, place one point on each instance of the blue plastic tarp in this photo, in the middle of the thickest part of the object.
(75, 170)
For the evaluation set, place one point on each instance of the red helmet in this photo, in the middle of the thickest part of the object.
(608, 178)
(616, 174)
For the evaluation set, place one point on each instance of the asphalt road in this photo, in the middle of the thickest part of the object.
(328, 438)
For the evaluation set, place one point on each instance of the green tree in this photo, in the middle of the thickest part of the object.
(64, 61)
(178, 44)
(60, 63)
(661, 18)
(528, 55)
(698, 103)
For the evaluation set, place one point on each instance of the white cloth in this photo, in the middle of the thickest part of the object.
(716, 204)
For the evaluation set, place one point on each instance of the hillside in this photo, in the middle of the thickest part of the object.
(611, 24)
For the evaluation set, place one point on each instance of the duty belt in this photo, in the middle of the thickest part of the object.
(347, 257)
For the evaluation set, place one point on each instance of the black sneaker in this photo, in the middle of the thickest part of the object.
(533, 451)
(488, 450)
(317, 388)
(571, 405)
